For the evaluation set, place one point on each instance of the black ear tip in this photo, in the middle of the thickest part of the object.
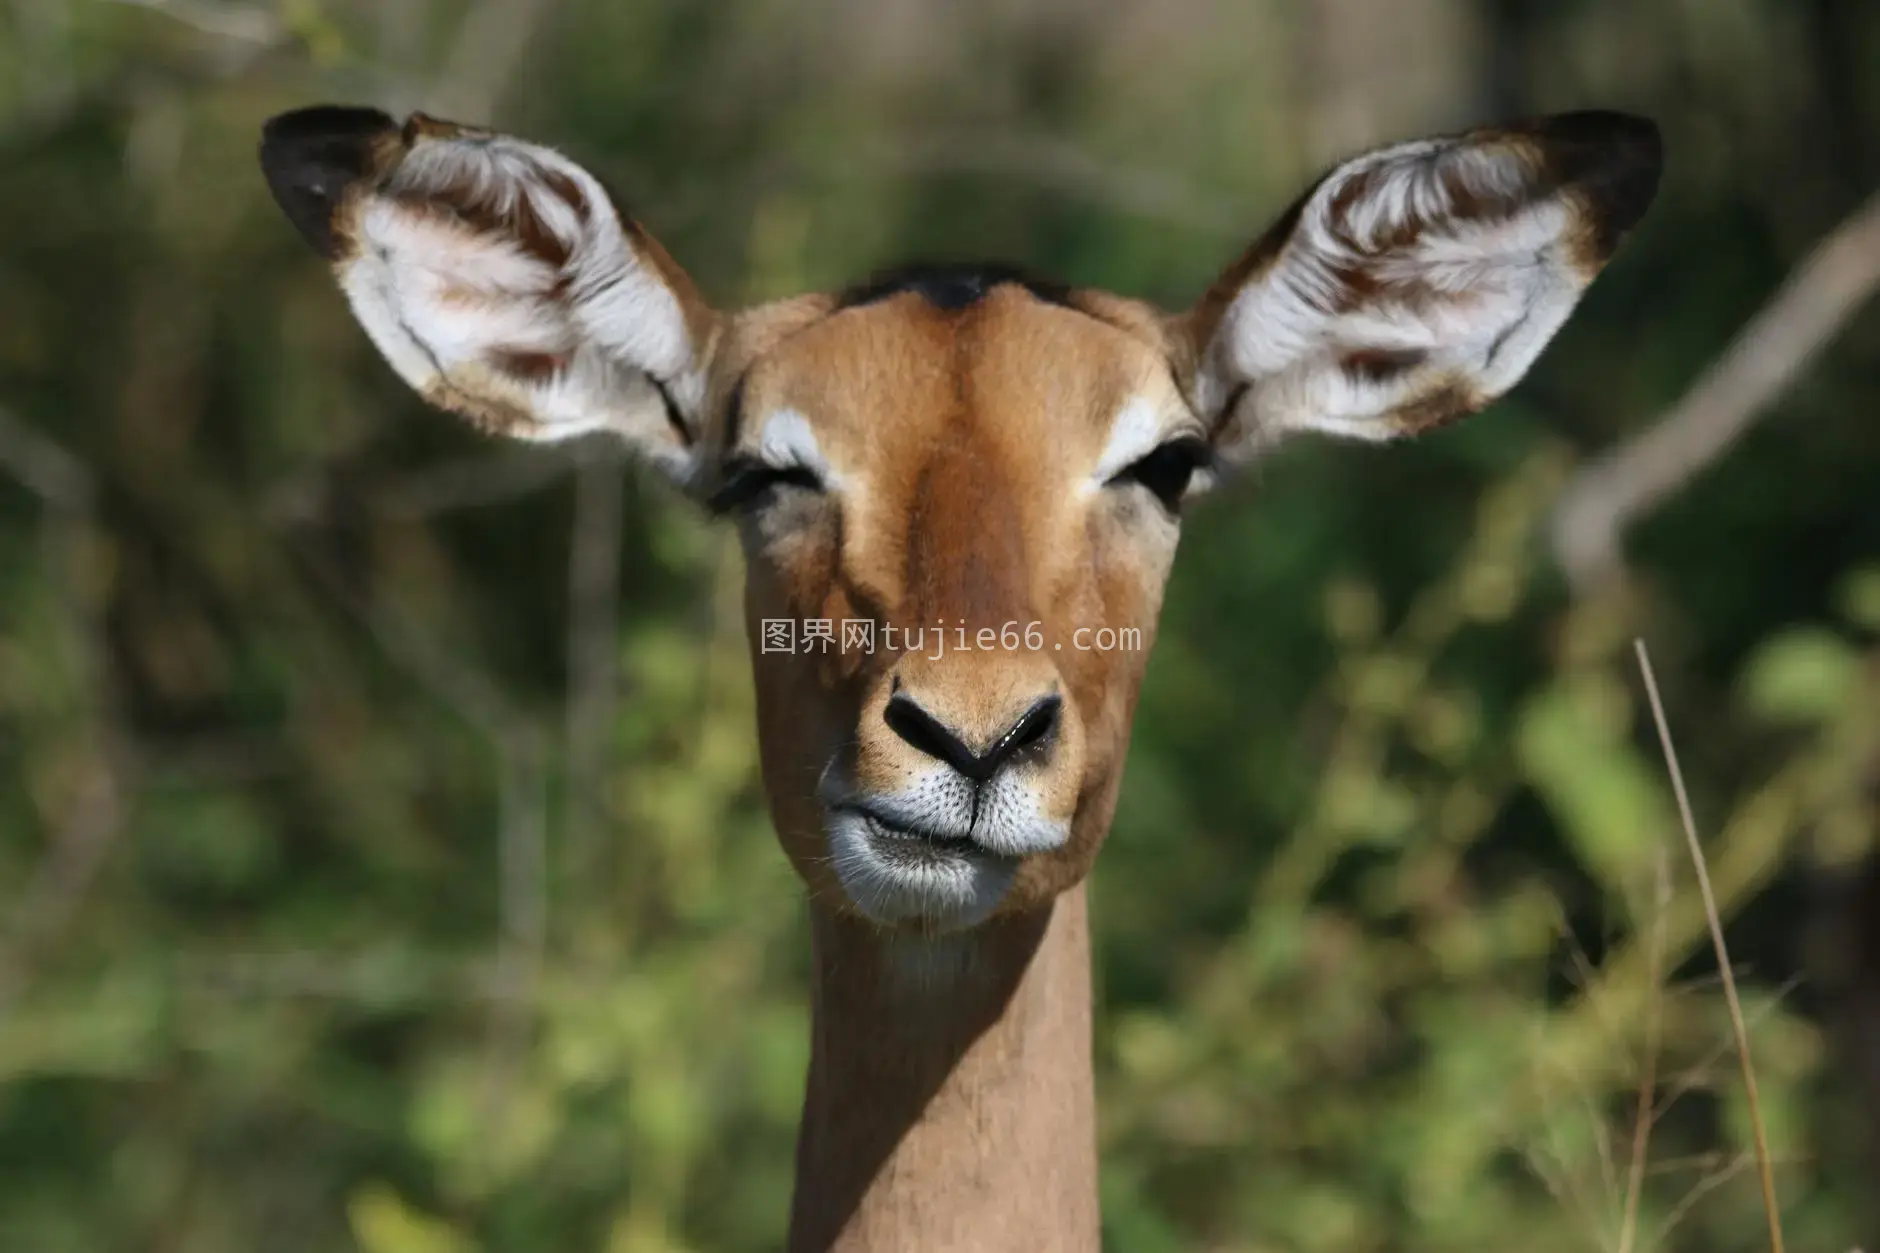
(1614, 158)
(325, 122)
(310, 156)
(1604, 127)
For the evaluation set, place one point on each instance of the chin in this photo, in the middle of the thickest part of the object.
(899, 879)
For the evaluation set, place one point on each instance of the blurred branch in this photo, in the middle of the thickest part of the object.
(244, 36)
(465, 483)
(243, 24)
(462, 690)
(43, 35)
(86, 831)
(522, 892)
(522, 900)
(64, 875)
(365, 977)
(1612, 493)
(484, 57)
(593, 636)
(211, 759)
(42, 467)
(1064, 168)
(1644, 1112)
(524, 895)
(470, 482)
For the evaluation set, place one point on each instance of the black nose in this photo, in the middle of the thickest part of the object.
(1033, 732)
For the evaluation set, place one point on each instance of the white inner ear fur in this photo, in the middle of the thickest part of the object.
(616, 298)
(1470, 302)
(453, 303)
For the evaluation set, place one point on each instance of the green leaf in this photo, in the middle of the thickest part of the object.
(1859, 598)
(1608, 800)
(382, 1223)
(1804, 676)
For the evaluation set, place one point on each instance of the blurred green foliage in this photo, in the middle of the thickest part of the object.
(383, 859)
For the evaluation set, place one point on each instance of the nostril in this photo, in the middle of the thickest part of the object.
(1034, 730)
(1038, 724)
(924, 732)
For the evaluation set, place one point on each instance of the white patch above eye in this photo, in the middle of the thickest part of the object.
(787, 440)
(1135, 432)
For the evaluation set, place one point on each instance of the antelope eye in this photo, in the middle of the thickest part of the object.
(1167, 470)
(747, 484)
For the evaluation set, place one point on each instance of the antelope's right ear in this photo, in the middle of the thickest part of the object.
(1417, 282)
(498, 278)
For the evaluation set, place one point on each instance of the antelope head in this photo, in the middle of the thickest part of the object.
(986, 471)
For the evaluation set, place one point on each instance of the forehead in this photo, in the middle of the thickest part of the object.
(1001, 360)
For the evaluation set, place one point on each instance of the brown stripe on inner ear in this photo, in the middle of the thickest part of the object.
(424, 126)
(1356, 190)
(1467, 203)
(1381, 365)
(1448, 403)
(459, 203)
(569, 193)
(1352, 288)
(530, 367)
(492, 414)
(1353, 191)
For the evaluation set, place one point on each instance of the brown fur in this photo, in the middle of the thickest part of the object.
(938, 419)
(951, 1108)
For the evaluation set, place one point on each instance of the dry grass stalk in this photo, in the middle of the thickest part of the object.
(1763, 1163)
(1645, 1115)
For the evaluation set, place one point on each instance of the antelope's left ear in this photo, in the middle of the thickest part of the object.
(1416, 283)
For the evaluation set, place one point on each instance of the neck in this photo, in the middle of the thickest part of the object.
(950, 1103)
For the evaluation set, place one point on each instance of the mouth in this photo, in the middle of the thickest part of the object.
(899, 873)
(914, 843)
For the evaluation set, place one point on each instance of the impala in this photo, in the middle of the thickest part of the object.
(973, 450)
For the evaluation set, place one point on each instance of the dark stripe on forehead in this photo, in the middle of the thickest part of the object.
(951, 287)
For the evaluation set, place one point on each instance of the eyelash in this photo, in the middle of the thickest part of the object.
(747, 481)
(1168, 469)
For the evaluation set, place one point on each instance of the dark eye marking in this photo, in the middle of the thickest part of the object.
(1167, 470)
(747, 483)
